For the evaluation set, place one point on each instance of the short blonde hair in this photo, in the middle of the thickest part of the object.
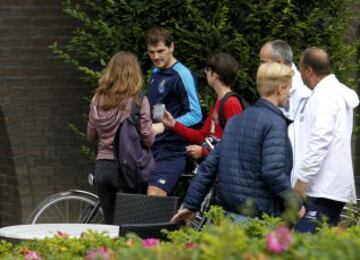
(271, 75)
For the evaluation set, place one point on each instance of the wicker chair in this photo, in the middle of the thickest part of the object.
(154, 230)
(144, 215)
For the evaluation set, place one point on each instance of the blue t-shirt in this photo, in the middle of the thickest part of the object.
(176, 88)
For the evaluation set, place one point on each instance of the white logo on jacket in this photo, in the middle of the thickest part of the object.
(161, 86)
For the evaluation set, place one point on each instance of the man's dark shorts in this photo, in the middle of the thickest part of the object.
(170, 165)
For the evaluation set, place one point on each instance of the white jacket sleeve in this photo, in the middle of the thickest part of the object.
(323, 113)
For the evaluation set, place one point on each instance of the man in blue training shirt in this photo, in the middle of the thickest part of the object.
(173, 85)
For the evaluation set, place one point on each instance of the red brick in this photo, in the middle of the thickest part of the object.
(39, 97)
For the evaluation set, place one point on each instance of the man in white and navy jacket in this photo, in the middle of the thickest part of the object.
(323, 170)
(280, 51)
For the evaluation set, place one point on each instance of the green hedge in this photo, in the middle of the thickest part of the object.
(204, 27)
(200, 28)
(257, 239)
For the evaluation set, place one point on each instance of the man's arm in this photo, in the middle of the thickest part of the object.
(203, 180)
(199, 187)
(321, 134)
(274, 168)
(189, 96)
(193, 135)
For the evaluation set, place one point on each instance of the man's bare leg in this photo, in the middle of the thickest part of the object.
(155, 191)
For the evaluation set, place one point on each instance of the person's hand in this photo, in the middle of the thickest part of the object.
(184, 215)
(168, 119)
(300, 188)
(301, 212)
(158, 128)
(194, 151)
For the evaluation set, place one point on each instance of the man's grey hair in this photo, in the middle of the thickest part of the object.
(281, 50)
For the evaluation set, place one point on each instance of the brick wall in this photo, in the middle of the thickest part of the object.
(39, 96)
(8, 182)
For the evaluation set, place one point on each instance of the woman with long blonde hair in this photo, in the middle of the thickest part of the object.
(120, 82)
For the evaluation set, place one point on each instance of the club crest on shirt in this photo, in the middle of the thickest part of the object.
(161, 86)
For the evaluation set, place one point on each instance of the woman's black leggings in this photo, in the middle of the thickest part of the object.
(108, 183)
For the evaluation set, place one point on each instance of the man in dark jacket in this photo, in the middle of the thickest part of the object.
(253, 162)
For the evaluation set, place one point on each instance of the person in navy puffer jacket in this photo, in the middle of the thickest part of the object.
(253, 162)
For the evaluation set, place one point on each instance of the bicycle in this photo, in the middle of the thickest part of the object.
(73, 206)
(79, 206)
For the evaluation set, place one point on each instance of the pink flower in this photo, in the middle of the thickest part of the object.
(99, 253)
(31, 255)
(190, 245)
(279, 240)
(151, 242)
(62, 234)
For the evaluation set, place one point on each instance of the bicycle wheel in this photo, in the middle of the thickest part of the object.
(68, 207)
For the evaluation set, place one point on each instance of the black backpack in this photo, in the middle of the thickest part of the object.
(136, 163)
(244, 104)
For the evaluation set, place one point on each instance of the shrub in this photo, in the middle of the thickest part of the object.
(204, 27)
(258, 239)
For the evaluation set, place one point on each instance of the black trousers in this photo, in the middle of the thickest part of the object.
(108, 183)
(319, 210)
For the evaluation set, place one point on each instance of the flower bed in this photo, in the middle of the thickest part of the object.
(269, 238)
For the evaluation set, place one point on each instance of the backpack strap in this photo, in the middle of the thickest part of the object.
(244, 104)
(134, 117)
